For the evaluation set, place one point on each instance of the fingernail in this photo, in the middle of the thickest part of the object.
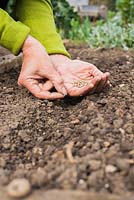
(64, 91)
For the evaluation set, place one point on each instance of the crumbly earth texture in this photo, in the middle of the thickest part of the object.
(84, 143)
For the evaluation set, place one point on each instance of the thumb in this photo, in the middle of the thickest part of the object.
(57, 81)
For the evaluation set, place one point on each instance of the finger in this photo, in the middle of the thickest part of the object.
(33, 87)
(95, 81)
(107, 74)
(59, 86)
(49, 96)
(57, 81)
(107, 79)
(102, 83)
(46, 85)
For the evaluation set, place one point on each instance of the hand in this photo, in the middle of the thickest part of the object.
(38, 74)
(79, 77)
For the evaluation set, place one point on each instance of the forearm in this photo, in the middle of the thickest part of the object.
(12, 33)
(38, 15)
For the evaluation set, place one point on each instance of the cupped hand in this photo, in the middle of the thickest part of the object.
(38, 74)
(79, 77)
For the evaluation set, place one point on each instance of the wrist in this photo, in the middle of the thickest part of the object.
(29, 43)
(59, 60)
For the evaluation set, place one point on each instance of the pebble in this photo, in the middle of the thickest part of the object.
(37, 151)
(24, 136)
(107, 144)
(4, 177)
(118, 123)
(76, 121)
(19, 188)
(96, 146)
(39, 177)
(122, 164)
(95, 177)
(51, 122)
(131, 176)
(94, 164)
(2, 162)
(129, 127)
(110, 169)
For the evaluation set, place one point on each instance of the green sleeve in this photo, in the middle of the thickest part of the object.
(12, 33)
(38, 16)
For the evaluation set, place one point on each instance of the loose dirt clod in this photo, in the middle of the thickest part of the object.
(19, 188)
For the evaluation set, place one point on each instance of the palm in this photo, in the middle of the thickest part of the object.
(81, 77)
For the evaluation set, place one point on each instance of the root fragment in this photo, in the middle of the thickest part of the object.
(69, 147)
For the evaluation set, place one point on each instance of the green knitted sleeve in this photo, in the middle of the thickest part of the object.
(12, 33)
(38, 16)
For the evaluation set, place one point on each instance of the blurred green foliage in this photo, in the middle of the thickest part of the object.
(126, 8)
(10, 6)
(107, 34)
(63, 14)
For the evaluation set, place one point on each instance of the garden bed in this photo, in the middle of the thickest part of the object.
(84, 143)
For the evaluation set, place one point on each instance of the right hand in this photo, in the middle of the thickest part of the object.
(38, 74)
(77, 71)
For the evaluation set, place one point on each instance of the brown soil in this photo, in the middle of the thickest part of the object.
(84, 143)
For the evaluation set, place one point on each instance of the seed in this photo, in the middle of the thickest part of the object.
(80, 83)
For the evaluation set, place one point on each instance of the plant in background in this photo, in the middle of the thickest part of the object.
(10, 6)
(63, 14)
(107, 34)
(126, 8)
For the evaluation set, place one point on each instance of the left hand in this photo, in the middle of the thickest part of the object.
(38, 74)
(79, 77)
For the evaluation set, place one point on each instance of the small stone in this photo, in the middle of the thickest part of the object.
(39, 177)
(129, 128)
(2, 162)
(58, 155)
(131, 152)
(37, 151)
(19, 188)
(126, 146)
(131, 177)
(96, 146)
(51, 122)
(82, 185)
(24, 136)
(91, 138)
(95, 178)
(40, 139)
(94, 164)
(4, 177)
(107, 144)
(49, 111)
(110, 169)
(118, 123)
(76, 121)
(6, 143)
(122, 164)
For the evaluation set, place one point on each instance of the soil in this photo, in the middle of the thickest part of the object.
(84, 143)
